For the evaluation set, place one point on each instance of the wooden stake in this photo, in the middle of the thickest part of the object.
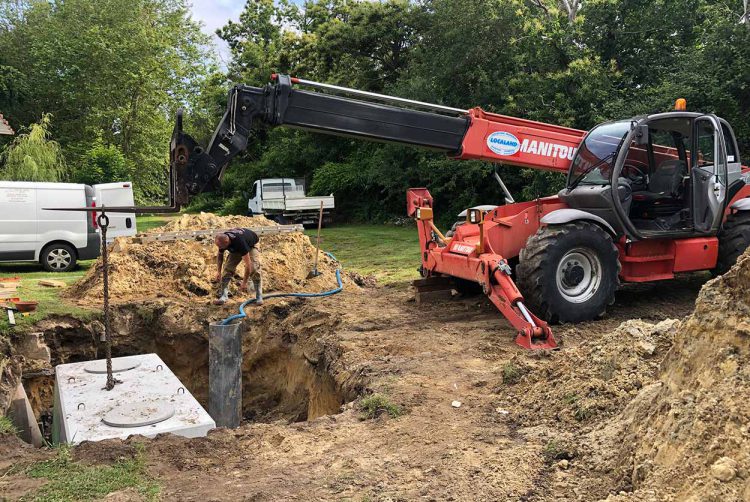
(317, 248)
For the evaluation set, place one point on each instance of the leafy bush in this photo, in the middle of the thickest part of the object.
(104, 164)
(375, 405)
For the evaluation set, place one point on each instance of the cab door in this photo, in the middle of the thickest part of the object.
(254, 203)
(708, 174)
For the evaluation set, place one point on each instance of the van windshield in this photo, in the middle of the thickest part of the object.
(593, 162)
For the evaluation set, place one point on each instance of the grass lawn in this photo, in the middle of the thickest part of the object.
(146, 223)
(70, 480)
(388, 252)
(49, 298)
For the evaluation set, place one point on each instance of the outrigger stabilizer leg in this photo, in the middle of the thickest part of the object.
(468, 256)
(533, 333)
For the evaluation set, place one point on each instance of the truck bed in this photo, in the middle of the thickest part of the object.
(298, 203)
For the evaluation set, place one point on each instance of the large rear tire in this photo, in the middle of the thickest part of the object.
(734, 239)
(569, 273)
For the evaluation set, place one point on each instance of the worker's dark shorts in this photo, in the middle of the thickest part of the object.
(234, 259)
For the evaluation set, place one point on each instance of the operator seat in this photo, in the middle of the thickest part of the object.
(664, 193)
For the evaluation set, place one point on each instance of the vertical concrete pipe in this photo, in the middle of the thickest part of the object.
(225, 374)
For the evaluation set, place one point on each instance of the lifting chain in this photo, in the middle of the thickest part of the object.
(103, 221)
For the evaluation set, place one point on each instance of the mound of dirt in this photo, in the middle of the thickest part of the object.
(209, 221)
(185, 268)
(590, 381)
(687, 436)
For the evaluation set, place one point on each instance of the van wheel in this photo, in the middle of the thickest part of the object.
(58, 258)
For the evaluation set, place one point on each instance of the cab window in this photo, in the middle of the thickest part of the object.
(665, 155)
(704, 145)
(731, 147)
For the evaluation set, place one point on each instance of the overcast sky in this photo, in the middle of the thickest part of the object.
(214, 14)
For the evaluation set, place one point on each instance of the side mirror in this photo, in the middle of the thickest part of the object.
(641, 135)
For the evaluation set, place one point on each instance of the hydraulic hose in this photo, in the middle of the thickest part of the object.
(330, 292)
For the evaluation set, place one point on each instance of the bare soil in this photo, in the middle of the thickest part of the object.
(184, 269)
(652, 402)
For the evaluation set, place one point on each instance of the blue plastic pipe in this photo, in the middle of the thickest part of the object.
(330, 292)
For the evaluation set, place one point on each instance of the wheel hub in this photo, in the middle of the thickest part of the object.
(573, 274)
(579, 275)
(58, 258)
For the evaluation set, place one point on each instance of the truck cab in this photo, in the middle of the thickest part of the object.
(284, 201)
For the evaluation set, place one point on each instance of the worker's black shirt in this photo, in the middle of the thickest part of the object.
(241, 240)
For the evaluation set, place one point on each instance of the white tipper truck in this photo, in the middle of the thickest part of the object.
(284, 201)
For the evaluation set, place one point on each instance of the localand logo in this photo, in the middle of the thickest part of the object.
(503, 143)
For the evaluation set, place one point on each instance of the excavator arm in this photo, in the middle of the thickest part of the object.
(461, 134)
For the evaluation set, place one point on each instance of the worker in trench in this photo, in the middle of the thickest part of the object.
(242, 245)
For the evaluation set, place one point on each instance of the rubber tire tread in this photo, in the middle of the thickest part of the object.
(734, 239)
(452, 231)
(538, 266)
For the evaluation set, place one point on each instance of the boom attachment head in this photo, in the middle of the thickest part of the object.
(469, 255)
(191, 170)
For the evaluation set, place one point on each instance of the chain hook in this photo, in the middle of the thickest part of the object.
(103, 221)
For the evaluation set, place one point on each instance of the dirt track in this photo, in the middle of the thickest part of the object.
(519, 433)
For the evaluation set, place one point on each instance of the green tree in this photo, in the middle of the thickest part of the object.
(570, 62)
(104, 164)
(106, 69)
(33, 156)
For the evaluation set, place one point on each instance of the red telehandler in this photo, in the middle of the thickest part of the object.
(646, 198)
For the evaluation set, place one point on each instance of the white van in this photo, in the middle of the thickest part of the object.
(117, 194)
(56, 239)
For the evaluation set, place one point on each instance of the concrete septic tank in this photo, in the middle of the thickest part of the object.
(150, 400)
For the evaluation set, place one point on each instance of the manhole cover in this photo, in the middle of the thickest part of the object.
(118, 365)
(138, 414)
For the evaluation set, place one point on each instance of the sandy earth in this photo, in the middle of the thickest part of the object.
(184, 269)
(652, 409)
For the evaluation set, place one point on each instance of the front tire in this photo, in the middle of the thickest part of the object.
(452, 231)
(58, 258)
(734, 239)
(569, 273)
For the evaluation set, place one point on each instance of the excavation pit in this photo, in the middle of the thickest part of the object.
(287, 375)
